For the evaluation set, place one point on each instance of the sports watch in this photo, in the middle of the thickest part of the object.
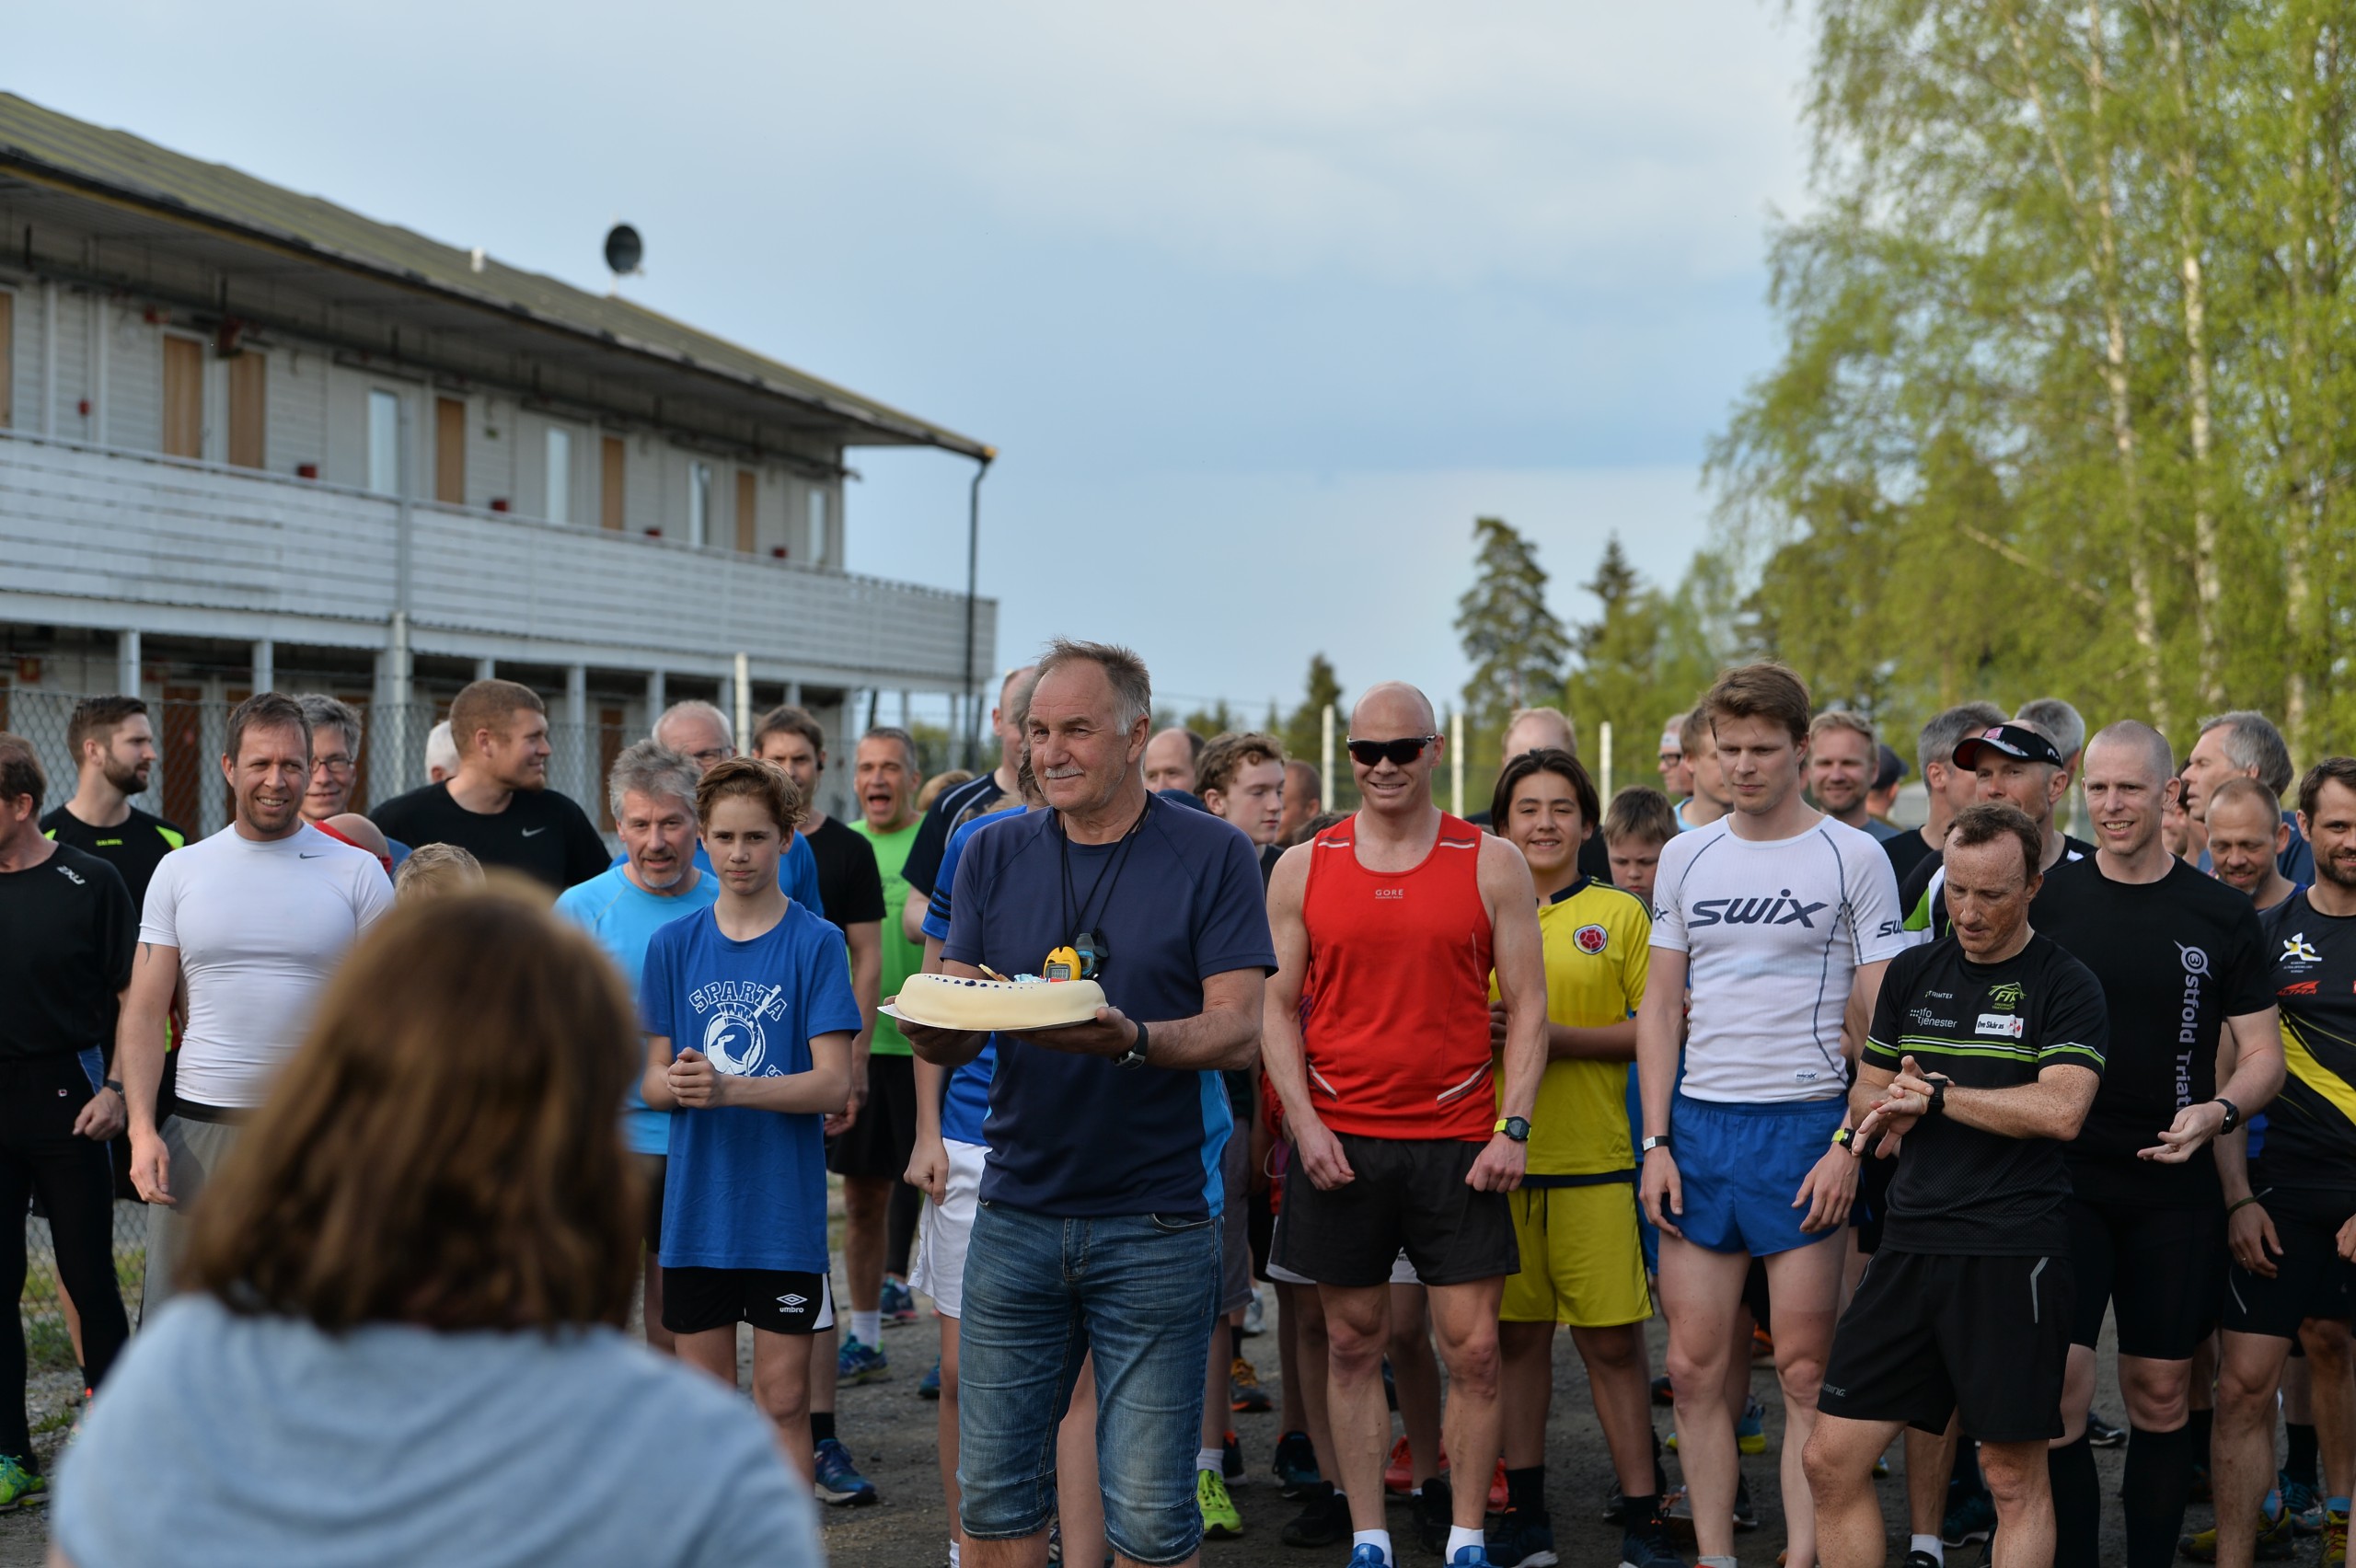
(1658, 1140)
(1938, 1098)
(1136, 1058)
(1846, 1137)
(2233, 1116)
(1515, 1127)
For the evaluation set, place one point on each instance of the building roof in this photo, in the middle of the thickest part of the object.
(44, 148)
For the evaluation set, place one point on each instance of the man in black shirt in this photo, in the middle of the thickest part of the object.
(2292, 1213)
(2180, 961)
(922, 867)
(499, 806)
(66, 934)
(2015, 763)
(1986, 1050)
(113, 747)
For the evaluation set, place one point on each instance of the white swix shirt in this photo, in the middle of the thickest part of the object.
(259, 927)
(1774, 932)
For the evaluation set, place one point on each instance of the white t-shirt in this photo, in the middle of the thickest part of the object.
(259, 927)
(1772, 932)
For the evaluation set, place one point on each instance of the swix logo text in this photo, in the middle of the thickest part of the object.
(1780, 910)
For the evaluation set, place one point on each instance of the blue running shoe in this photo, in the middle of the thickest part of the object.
(1470, 1557)
(1368, 1555)
(1750, 1432)
(1295, 1464)
(898, 1302)
(1647, 1545)
(929, 1388)
(857, 1363)
(1522, 1539)
(839, 1482)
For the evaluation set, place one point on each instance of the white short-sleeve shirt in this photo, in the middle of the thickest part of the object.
(259, 926)
(1774, 932)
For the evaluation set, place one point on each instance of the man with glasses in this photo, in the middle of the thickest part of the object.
(335, 763)
(702, 735)
(1394, 920)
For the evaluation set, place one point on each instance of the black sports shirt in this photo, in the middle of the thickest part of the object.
(2310, 1126)
(66, 934)
(133, 847)
(541, 833)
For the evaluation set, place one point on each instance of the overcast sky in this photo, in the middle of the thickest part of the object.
(1263, 302)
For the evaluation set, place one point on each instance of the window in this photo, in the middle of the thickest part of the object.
(560, 491)
(818, 539)
(7, 359)
(385, 442)
(699, 504)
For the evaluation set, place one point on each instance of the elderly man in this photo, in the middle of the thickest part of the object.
(1170, 760)
(652, 791)
(441, 754)
(335, 766)
(1099, 1227)
(702, 735)
(498, 806)
(2246, 746)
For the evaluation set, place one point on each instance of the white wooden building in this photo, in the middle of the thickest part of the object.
(248, 438)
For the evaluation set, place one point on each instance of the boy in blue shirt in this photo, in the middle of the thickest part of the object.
(749, 1016)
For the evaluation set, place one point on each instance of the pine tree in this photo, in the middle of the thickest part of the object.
(1304, 732)
(1512, 641)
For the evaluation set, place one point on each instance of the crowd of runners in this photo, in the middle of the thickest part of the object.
(1910, 1112)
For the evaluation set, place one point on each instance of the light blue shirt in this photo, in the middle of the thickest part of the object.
(624, 916)
(797, 872)
(257, 1442)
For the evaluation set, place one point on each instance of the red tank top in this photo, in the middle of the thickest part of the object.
(1396, 1002)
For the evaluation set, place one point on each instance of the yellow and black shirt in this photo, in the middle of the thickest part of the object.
(2310, 1126)
(1599, 949)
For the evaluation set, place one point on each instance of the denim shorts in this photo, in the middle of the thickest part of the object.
(1138, 1291)
(1741, 1165)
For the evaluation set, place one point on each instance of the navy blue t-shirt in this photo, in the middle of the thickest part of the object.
(746, 1189)
(1081, 1137)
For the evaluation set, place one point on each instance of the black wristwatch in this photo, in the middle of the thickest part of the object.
(1659, 1140)
(116, 1084)
(2233, 1116)
(1515, 1127)
(1938, 1098)
(1136, 1058)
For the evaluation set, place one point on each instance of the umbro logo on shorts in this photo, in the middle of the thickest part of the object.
(790, 1301)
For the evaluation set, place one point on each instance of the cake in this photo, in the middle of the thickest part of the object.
(953, 1001)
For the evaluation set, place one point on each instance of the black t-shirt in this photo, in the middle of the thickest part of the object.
(66, 934)
(1906, 851)
(133, 847)
(2177, 957)
(2310, 1126)
(1959, 1189)
(848, 885)
(541, 833)
(923, 868)
(1922, 892)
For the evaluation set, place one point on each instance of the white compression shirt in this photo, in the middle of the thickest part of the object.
(1773, 933)
(259, 927)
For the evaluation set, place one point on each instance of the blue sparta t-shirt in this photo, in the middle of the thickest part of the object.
(746, 1189)
(1081, 1137)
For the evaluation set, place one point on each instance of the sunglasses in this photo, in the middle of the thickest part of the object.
(1398, 752)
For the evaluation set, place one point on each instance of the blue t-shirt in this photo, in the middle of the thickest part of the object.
(965, 1104)
(746, 1189)
(797, 871)
(1081, 1137)
(624, 916)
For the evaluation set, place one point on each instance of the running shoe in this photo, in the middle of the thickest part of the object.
(1745, 1515)
(1881, 1467)
(1368, 1555)
(1649, 1546)
(1967, 1520)
(1323, 1519)
(857, 1363)
(1749, 1432)
(1255, 1316)
(2307, 1507)
(1762, 1346)
(930, 1387)
(2335, 1532)
(1295, 1465)
(2200, 1491)
(2102, 1433)
(2275, 1537)
(1522, 1539)
(1434, 1512)
(1499, 1494)
(1469, 1557)
(21, 1488)
(1399, 1475)
(1662, 1393)
(1231, 1460)
(839, 1482)
(1220, 1521)
(898, 1302)
(1924, 1560)
(1244, 1395)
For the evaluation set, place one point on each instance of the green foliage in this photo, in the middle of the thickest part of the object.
(1512, 641)
(1303, 732)
(1645, 656)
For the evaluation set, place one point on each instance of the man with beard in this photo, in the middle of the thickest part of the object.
(1841, 764)
(2247, 839)
(498, 806)
(114, 751)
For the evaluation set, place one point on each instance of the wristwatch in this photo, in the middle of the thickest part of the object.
(1658, 1140)
(1846, 1137)
(116, 1084)
(1515, 1127)
(2233, 1116)
(1136, 1058)
(1938, 1098)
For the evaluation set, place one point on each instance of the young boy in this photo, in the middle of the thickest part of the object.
(1637, 822)
(756, 994)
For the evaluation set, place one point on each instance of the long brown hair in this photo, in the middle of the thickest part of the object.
(445, 1148)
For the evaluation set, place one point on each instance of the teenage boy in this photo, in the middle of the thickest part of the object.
(756, 992)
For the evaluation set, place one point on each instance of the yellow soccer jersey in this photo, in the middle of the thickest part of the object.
(1599, 949)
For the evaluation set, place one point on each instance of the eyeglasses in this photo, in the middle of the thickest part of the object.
(338, 766)
(713, 756)
(1398, 752)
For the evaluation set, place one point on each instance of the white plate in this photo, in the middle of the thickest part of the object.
(892, 1011)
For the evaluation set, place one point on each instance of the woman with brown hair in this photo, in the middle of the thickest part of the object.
(401, 1341)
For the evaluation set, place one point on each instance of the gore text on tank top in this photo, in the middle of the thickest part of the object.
(1395, 1010)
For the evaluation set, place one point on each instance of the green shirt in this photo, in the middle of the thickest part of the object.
(902, 957)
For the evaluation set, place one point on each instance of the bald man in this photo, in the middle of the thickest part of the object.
(2181, 960)
(1170, 760)
(1399, 1145)
(1536, 729)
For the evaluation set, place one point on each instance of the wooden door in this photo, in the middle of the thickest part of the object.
(610, 741)
(181, 757)
(450, 451)
(248, 410)
(184, 398)
(748, 489)
(613, 471)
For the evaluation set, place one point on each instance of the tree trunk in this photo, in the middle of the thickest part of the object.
(2208, 586)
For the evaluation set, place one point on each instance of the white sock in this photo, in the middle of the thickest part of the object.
(952, 1554)
(1461, 1536)
(1726, 1561)
(867, 1328)
(1378, 1538)
(1212, 1460)
(1930, 1543)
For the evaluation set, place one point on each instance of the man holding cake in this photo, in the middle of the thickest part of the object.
(1388, 925)
(1099, 1226)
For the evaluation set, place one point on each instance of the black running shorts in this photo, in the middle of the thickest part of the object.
(778, 1302)
(2311, 1279)
(1930, 1334)
(1408, 1192)
(878, 1145)
(2163, 1270)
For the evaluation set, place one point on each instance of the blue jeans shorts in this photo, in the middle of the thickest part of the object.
(1741, 1166)
(1140, 1292)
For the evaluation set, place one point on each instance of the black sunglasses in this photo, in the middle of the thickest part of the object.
(1398, 752)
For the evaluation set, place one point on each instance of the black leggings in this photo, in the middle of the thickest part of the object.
(40, 1153)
